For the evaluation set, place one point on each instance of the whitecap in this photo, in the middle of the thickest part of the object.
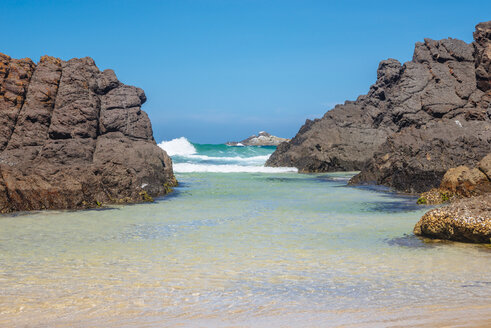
(259, 160)
(190, 167)
(179, 146)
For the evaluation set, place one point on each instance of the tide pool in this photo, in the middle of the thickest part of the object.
(241, 249)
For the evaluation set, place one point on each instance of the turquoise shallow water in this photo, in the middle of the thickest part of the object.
(189, 157)
(241, 250)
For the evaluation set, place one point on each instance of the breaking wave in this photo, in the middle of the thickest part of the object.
(179, 146)
(191, 157)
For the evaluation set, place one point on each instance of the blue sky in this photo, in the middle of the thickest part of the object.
(218, 70)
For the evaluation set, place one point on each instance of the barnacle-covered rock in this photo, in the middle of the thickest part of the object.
(466, 220)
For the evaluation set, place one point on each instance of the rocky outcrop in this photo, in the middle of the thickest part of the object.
(461, 182)
(417, 121)
(73, 137)
(262, 139)
(415, 160)
(467, 220)
(345, 137)
(482, 45)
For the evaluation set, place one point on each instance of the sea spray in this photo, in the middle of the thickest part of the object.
(179, 146)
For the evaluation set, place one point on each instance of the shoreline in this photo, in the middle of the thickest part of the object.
(226, 249)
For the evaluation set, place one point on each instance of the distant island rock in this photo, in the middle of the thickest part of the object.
(72, 137)
(262, 139)
(417, 121)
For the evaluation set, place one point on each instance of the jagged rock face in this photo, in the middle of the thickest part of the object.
(74, 137)
(457, 133)
(418, 120)
(415, 160)
(482, 45)
(347, 135)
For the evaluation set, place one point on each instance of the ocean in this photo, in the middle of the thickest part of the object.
(240, 245)
(200, 158)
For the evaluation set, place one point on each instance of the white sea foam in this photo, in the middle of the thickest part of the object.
(187, 159)
(247, 160)
(179, 146)
(190, 167)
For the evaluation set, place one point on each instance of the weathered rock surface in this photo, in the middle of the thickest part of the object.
(74, 137)
(345, 137)
(262, 139)
(482, 44)
(417, 121)
(461, 182)
(466, 182)
(485, 166)
(467, 220)
(415, 160)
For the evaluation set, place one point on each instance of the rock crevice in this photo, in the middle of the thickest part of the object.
(74, 137)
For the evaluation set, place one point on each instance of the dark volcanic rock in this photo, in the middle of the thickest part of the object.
(458, 133)
(74, 137)
(15, 75)
(346, 137)
(418, 120)
(482, 45)
(415, 160)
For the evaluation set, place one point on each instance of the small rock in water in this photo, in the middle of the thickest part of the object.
(466, 220)
(263, 139)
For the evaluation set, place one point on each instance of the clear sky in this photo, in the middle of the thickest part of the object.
(218, 70)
